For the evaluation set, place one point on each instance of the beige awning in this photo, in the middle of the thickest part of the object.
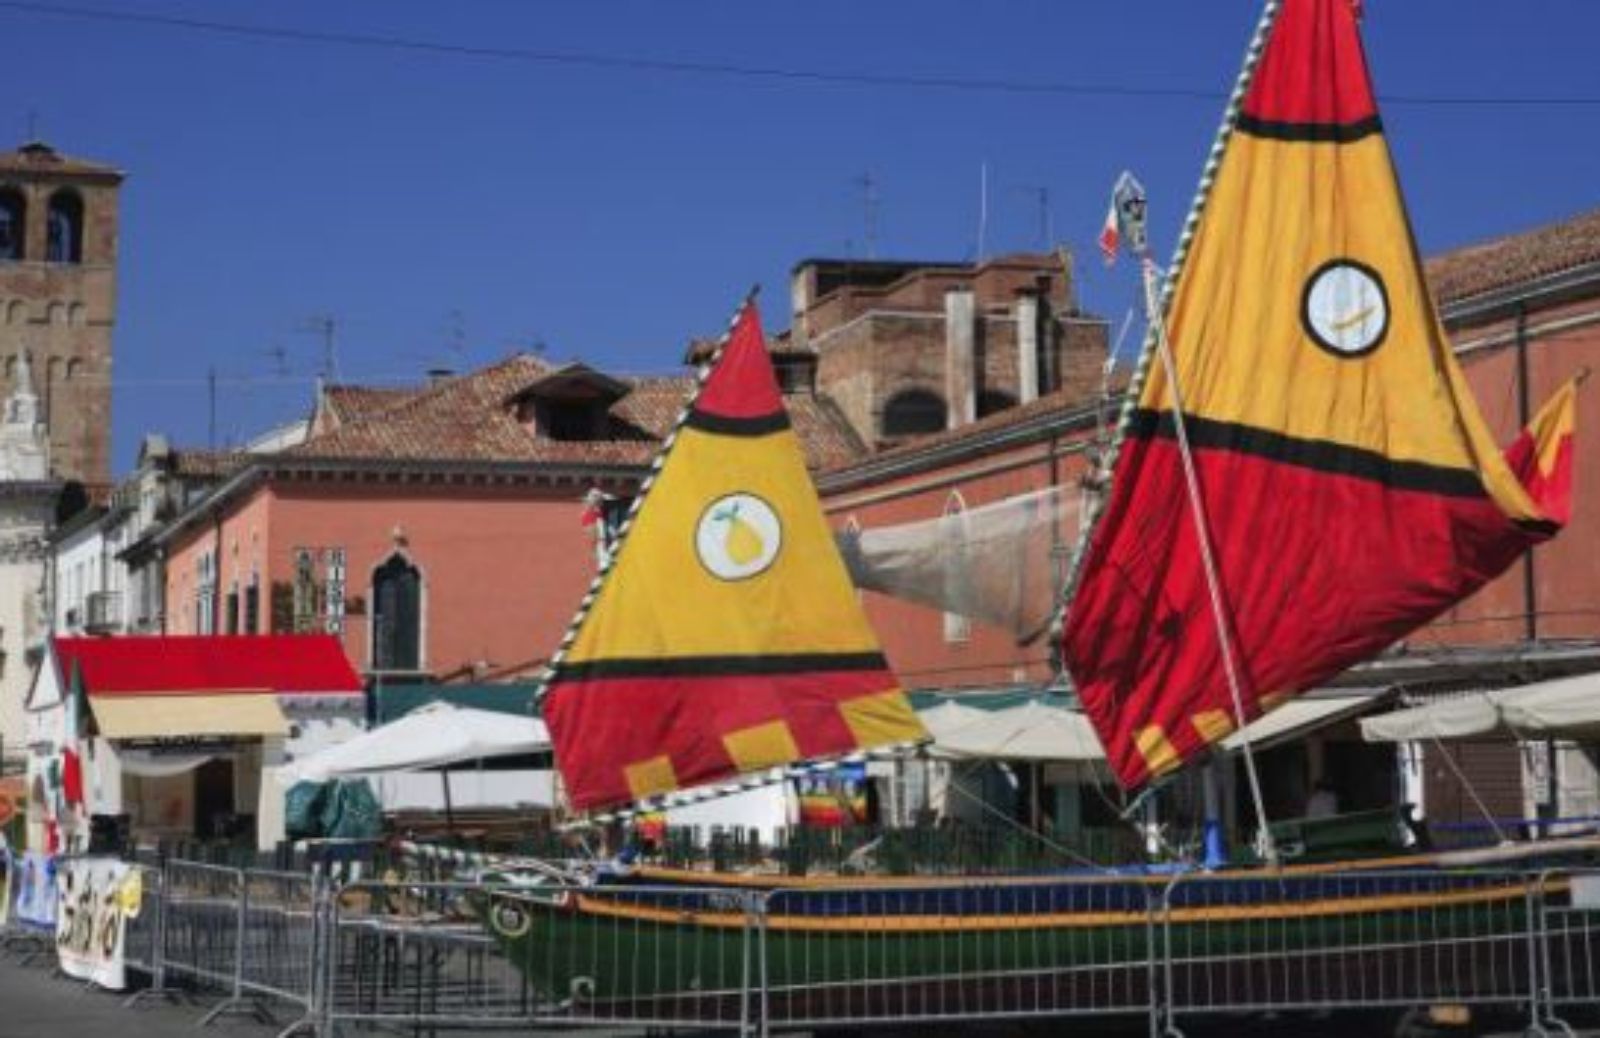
(1563, 708)
(189, 716)
(1037, 731)
(1303, 715)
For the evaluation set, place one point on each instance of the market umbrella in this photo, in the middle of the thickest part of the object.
(434, 736)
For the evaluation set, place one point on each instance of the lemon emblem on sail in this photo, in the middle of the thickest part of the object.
(738, 536)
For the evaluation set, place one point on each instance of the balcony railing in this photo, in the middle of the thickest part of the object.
(104, 612)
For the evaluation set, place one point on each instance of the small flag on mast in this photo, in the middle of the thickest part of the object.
(1125, 220)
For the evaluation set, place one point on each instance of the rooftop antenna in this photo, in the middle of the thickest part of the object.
(280, 359)
(33, 125)
(1047, 223)
(325, 325)
(456, 339)
(983, 211)
(869, 204)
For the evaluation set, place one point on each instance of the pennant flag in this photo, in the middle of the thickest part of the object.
(1125, 220)
(1110, 236)
(725, 638)
(1351, 490)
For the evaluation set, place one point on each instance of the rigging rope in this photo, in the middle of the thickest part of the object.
(1203, 535)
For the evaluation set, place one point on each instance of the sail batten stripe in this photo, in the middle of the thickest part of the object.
(719, 666)
(725, 425)
(1329, 133)
(1317, 455)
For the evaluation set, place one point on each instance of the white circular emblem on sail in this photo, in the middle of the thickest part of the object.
(1346, 309)
(737, 536)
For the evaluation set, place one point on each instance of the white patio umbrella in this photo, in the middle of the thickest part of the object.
(433, 736)
(429, 737)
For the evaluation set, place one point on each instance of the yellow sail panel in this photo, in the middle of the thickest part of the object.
(729, 504)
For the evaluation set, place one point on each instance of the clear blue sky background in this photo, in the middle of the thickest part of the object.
(612, 214)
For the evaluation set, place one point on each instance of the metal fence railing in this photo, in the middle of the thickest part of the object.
(526, 951)
(1349, 941)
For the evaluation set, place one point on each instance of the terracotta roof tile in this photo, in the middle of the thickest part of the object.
(37, 157)
(191, 461)
(468, 419)
(1515, 259)
(351, 403)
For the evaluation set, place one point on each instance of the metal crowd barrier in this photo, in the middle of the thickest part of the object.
(531, 953)
(475, 955)
(1001, 950)
(1352, 941)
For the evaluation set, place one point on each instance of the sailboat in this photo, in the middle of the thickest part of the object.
(1294, 359)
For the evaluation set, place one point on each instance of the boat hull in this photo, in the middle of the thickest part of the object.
(971, 949)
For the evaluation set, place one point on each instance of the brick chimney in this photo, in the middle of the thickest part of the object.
(960, 357)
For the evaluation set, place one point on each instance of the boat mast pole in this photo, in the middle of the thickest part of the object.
(1202, 533)
(1180, 254)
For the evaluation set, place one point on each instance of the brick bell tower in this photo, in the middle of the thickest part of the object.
(58, 293)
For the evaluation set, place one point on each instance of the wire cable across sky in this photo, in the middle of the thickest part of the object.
(772, 73)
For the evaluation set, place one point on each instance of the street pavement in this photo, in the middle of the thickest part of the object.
(37, 1003)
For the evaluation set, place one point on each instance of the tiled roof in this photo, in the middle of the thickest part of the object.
(37, 157)
(187, 461)
(1515, 259)
(176, 664)
(356, 403)
(470, 419)
(458, 419)
(824, 432)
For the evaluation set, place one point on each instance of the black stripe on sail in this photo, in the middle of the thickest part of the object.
(1334, 133)
(1319, 455)
(719, 666)
(723, 425)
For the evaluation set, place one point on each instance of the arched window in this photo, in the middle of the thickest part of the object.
(397, 615)
(13, 224)
(64, 240)
(913, 411)
(991, 401)
(957, 580)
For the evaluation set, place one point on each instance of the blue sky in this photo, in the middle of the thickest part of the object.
(450, 208)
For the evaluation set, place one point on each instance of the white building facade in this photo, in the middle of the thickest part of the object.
(28, 497)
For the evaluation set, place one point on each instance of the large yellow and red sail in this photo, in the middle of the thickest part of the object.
(1351, 490)
(726, 638)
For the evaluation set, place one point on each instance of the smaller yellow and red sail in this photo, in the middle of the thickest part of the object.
(726, 638)
(1351, 489)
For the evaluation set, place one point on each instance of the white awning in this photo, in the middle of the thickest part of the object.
(1567, 707)
(434, 736)
(1030, 731)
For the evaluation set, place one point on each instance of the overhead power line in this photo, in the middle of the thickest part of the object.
(773, 73)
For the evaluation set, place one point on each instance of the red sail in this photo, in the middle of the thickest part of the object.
(1351, 491)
